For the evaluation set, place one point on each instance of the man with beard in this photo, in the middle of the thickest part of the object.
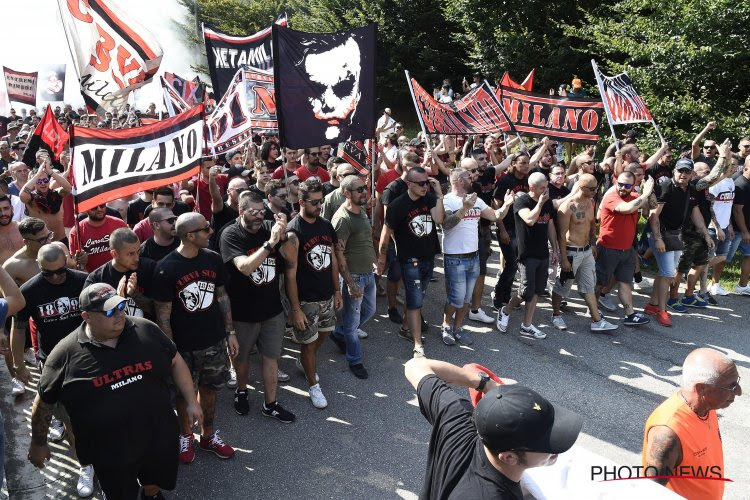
(312, 168)
(128, 273)
(312, 282)
(90, 247)
(224, 212)
(10, 237)
(162, 197)
(544, 157)
(164, 239)
(710, 150)
(277, 200)
(199, 186)
(336, 198)
(42, 201)
(253, 255)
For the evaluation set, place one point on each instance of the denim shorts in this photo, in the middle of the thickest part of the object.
(737, 244)
(667, 261)
(394, 266)
(722, 247)
(416, 274)
(460, 275)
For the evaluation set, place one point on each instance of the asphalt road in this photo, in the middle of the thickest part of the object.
(371, 441)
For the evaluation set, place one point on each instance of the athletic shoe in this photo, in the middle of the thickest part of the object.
(447, 337)
(480, 316)
(502, 320)
(717, 289)
(232, 382)
(651, 310)
(495, 303)
(214, 444)
(362, 334)
(298, 363)
(663, 318)
(279, 413)
(359, 370)
(602, 326)
(742, 290)
(187, 451)
(395, 316)
(85, 485)
(463, 337)
(676, 305)
(317, 398)
(159, 496)
(241, 406)
(532, 332)
(17, 387)
(635, 319)
(607, 303)
(693, 301)
(559, 323)
(708, 298)
(282, 376)
(56, 431)
(340, 343)
(418, 352)
(30, 358)
(425, 325)
(405, 333)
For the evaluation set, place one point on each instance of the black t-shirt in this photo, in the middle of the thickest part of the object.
(136, 211)
(150, 249)
(515, 185)
(54, 308)
(269, 215)
(255, 189)
(484, 187)
(545, 171)
(414, 230)
(457, 466)
(393, 191)
(179, 208)
(658, 171)
(261, 288)
(190, 285)
(107, 273)
(710, 162)
(117, 398)
(674, 213)
(557, 193)
(328, 188)
(532, 240)
(218, 221)
(314, 258)
(701, 199)
(742, 197)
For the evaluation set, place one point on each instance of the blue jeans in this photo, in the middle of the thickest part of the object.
(735, 245)
(356, 312)
(416, 274)
(460, 276)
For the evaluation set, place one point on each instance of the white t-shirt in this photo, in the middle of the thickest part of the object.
(387, 124)
(464, 236)
(723, 193)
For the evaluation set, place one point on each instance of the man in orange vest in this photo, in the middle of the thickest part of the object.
(682, 438)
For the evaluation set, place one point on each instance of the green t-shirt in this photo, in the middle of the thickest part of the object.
(331, 203)
(356, 230)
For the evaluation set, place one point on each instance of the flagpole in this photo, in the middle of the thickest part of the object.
(373, 151)
(600, 84)
(416, 108)
(658, 132)
(74, 192)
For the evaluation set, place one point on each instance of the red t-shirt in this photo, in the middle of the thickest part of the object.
(279, 173)
(204, 194)
(386, 178)
(143, 230)
(304, 174)
(94, 240)
(616, 231)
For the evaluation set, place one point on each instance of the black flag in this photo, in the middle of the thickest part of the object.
(325, 86)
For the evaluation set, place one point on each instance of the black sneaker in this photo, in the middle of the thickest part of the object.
(635, 319)
(405, 334)
(359, 370)
(341, 343)
(241, 406)
(279, 413)
(425, 325)
(395, 316)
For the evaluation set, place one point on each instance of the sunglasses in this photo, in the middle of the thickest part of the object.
(732, 387)
(43, 181)
(52, 272)
(170, 220)
(360, 189)
(314, 203)
(111, 312)
(591, 188)
(624, 186)
(206, 229)
(709, 147)
(420, 183)
(42, 240)
(313, 154)
(254, 212)
(281, 196)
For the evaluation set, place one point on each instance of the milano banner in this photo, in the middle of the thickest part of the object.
(109, 164)
(562, 118)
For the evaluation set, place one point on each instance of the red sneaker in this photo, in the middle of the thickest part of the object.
(651, 309)
(187, 452)
(217, 446)
(663, 318)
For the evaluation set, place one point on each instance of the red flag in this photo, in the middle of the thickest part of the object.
(526, 85)
(48, 135)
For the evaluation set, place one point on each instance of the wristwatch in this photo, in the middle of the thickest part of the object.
(268, 247)
(483, 379)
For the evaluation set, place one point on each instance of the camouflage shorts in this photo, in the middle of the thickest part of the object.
(694, 252)
(321, 317)
(209, 367)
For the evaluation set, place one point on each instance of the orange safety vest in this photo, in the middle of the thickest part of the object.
(702, 453)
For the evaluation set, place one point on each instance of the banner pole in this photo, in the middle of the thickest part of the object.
(600, 84)
(658, 132)
(373, 152)
(416, 108)
(74, 192)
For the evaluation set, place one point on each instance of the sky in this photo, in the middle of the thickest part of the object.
(33, 36)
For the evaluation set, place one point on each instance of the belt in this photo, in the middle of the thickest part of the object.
(577, 249)
(463, 255)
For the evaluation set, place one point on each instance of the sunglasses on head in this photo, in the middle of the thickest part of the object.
(52, 272)
(204, 229)
(624, 186)
(420, 183)
(314, 203)
(111, 312)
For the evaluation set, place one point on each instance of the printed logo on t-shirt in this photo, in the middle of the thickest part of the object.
(319, 257)
(117, 379)
(59, 309)
(265, 273)
(197, 296)
(131, 309)
(100, 245)
(421, 225)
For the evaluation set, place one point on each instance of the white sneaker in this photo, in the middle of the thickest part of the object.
(502, 320)
(232, 383)
(532, 332)
(418, 352)
(559, 323)
(742, 290)
(282, 376)
(607, 303)
(480, 316)
(317, 398)
(85, 484)
(17, 387)
(302, 369)
(602, 325)
(56, 431)
(717, 289)
(362, 334)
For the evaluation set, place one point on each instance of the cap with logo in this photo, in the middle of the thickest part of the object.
(514, 417)
(99, 297)
(684, 164)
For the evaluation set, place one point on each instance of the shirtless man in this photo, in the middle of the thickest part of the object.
(22, 265)
(577, 234)
(44, 202)
(10, 238)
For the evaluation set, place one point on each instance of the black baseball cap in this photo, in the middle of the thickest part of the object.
(684, 164)
(99, 297)
(514, 417)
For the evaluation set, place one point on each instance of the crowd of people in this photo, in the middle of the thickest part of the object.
(268, 245)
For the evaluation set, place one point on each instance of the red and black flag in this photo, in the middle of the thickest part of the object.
(191, 91)
(358, 154)
(527, 84)
(325, 86)
(110, 164)
(48, 135)
(622, 102)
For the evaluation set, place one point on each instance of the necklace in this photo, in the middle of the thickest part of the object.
(705, 419)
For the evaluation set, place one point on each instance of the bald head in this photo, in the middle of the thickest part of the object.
(704, 366)
(189, 222)
(469, 163)
(537, 179)
(587, 180)
(50, 253)
(237, 183)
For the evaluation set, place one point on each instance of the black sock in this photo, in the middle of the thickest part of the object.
(475, 311)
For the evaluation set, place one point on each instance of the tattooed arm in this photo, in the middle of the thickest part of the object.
(225, 307)
(354, 291)
(715, 175)
(41, 416)
(663, 452)
(163, 317)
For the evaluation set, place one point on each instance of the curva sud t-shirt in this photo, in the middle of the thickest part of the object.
(516, 186)
(314, 258)
(254, 298)
(723, 195)
(111, 276)
(190, 285)
(54, 308)
(150, 249)
(414, 230)
(532, 240)
(117, 398)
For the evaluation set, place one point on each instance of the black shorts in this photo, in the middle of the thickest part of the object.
(485, 248)
(157, 468)
(610, 261)
(534, 274)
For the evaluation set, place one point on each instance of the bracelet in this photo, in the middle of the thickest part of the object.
(296, 309)
(231, 332)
